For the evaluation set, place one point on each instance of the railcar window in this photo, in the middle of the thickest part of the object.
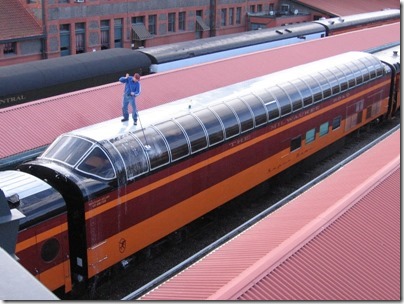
(305, 90)
(324, 128)
(364, 69)
(357, 71)
(336, 122)
(68, 149)
(314, 86)
(212, 125)
(158, 151)
(296, 143)
(333, 76)
(229, 120)
(373, 72)
(325, 85)
(332, 80)
(341, 77)
(283, 100)
(133, 155)
(97, 163)
(195, 132)
(273, 110)
(349, 75)
(294, 95)
(243, 113)
(370, 66)
(176, 139)
(50, 250)
(376, 67)
(257, 107)
(380, 70)
(310, 135)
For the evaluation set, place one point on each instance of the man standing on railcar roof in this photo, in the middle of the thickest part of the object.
(132, 90)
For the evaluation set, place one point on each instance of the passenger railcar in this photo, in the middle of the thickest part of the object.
(24, 82)
(182, 54)
(40, 79)
(339, 25)
(124, 187)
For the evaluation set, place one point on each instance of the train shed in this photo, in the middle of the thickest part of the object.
(339, 240)
(29, 128)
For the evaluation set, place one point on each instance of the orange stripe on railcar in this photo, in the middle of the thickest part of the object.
(130, 240)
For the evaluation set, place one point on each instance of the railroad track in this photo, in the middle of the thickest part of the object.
(121, 281)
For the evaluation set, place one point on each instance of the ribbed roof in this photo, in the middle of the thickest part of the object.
(340, 240)
(16, 22)
(349, 7)
(36, 124)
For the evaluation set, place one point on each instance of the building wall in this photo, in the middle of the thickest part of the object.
(60, 17)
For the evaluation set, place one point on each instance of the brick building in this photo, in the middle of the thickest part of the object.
(41, 29)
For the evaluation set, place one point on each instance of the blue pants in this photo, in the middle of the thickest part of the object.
(128, 99)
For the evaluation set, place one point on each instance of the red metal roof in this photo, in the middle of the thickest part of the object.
(36, 124)
(349, 7)
(16, 22)
(340, 240)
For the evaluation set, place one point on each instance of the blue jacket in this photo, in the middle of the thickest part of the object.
(131, 86)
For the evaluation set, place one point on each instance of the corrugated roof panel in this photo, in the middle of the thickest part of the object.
(340, 240)
(355, 258)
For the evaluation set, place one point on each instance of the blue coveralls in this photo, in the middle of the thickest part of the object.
(132, 89)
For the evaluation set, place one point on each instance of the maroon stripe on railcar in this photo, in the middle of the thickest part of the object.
(146, 206)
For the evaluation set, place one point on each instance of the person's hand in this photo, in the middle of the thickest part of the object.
(132, 93)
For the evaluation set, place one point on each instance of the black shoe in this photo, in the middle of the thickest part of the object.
(124, 119)
(135, 122)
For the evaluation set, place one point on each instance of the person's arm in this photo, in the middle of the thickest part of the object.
(124, 79)
(138, 89)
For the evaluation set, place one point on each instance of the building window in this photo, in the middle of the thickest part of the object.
(10, 48)
(118, 32)
(80, 37)
(271, 7)
(231, 16)
(284, 8)
(252, 8)
(238, 15)
(138, 19)
(259, 8)
(181, 21)
(152, 24)
(171, 22)
(63, 1)
(223, 17)
(64, 30)
(105, 34)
